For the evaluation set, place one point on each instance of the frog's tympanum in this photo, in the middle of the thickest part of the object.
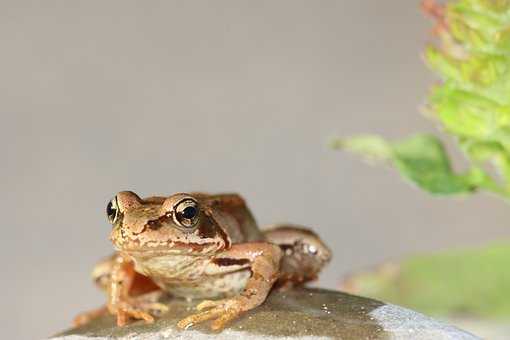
(198, 246)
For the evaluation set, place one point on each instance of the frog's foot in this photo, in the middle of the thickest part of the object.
(85, 317)
(138, 310)
(126, 311)
(263, 259)
(222, 311)
(149, 302)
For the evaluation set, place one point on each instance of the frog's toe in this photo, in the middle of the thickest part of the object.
(199, 317)
(126, 312)
(224, 319)
(86, 317)
(222, 311)
(209, 304)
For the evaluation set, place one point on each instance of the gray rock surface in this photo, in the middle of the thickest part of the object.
(297, 314)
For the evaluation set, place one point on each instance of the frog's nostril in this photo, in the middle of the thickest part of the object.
(154, 224)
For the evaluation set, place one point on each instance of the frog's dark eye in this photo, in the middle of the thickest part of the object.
(112, 210)
(186, 213)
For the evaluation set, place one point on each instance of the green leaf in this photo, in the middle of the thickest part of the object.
(471, 103)
(421, 159)
(468, 115)
(467, 281)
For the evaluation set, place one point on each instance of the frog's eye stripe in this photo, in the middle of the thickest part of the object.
(112, 210)
(186, 213)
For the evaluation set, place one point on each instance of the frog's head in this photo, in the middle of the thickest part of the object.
(178, 224)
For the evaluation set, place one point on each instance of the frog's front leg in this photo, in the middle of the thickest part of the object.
(263, 259)
(123, 304)
(141, 289)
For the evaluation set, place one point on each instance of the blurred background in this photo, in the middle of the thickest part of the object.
(165, 96)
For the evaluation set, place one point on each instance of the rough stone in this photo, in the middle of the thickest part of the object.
(298, 314)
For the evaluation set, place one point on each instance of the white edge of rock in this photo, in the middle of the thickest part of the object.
(403, 323)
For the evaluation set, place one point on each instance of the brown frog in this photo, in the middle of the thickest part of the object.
(198, 246)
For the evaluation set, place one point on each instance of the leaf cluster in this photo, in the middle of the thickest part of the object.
(471, 103)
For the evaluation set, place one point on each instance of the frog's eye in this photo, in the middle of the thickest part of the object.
(112, 210)
(186, 213)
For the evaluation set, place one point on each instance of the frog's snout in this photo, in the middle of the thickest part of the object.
(325, 254)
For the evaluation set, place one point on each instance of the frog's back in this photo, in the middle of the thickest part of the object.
(232, 208)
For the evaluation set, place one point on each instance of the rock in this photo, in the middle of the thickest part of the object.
(297, 314)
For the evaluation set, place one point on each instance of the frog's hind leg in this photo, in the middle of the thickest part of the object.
(304, 254)
(101, 275)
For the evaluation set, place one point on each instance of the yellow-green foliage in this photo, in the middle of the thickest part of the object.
(472, 103)
(470, 281)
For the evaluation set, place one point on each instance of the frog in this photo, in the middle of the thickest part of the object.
(198, 246)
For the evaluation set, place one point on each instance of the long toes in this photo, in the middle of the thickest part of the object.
(123, 316)
(209, 304)
(200, 317)
(223, 320)
(143, 315)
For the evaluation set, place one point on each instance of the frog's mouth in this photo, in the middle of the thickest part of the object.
(134, 248)
(129, 242)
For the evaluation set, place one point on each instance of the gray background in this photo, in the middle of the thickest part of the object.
(167, 96)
